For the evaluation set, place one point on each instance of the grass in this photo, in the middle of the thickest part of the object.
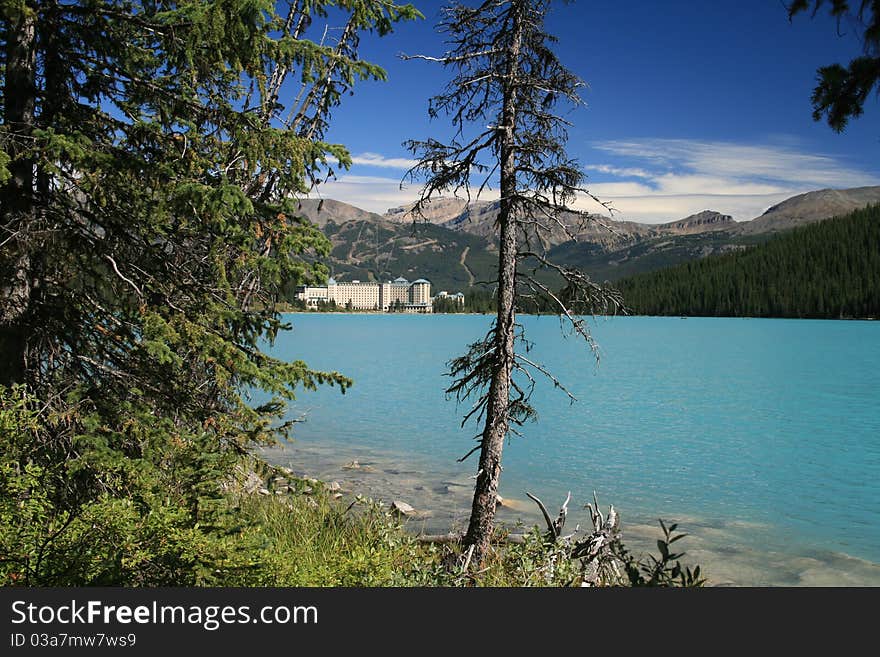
(316, 540)
(319, 539)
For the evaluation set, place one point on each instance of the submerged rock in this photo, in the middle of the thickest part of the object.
(513, 505)
(355, 465)
(402, 508)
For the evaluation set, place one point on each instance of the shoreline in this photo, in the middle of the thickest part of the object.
(443, 505)
(386, 314)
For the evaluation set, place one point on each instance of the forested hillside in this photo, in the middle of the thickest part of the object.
(829, 269)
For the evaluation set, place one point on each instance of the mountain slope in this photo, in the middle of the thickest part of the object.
(828, 269)
(648, 254)
(479, 217)
(321, 211)
(366, 246)
(368, 251)
(438, 211)
(810, 207)
(457, 245)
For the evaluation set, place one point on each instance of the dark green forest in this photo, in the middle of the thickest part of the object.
(830, 269)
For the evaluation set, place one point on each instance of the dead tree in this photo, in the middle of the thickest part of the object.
(599, 551)
(506, 86)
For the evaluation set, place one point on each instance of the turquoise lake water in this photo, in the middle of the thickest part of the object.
(761, 437)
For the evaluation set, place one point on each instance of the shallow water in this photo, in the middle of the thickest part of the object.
(760, 437)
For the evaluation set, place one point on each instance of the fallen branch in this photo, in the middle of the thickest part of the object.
(599, 561)
(452, 537)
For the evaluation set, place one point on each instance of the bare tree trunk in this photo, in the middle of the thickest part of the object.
(17, 197)
(482, 518)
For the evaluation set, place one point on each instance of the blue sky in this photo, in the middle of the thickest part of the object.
(689, 106)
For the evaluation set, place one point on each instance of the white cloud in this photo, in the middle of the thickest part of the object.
(656, 208)
(741, 162)
(617, 189)
(622, 172)
(674, 183)
(680, 177)
(372, 193)
(377, 160)
(376, 194)
(651, 180)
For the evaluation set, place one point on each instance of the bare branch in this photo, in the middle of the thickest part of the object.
(119, 273)
(551, 529)
(556, 382)
(451, 59)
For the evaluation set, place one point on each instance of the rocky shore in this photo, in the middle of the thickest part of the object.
(266, 479)
(439, 502)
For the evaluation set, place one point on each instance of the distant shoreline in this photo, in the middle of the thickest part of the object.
(380, 313)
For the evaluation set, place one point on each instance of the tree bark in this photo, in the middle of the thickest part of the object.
(482, 518)
(17, 196)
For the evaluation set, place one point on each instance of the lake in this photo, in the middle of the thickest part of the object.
(760, 437)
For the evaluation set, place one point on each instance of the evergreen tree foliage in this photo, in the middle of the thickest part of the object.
(151, 155)
(841, 91)
(447, 305)
(830, 269)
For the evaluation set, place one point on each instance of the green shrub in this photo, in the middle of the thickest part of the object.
(85, 504)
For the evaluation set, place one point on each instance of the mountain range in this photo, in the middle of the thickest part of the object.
(453, 242)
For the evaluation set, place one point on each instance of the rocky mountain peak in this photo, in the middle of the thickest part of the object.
(701, 222)
(438, 211)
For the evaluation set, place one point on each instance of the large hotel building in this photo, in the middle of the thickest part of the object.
(398, 294)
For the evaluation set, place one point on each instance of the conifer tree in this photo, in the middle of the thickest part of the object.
(152, 153)
(842, 90)
(828, 269)
(507, 83)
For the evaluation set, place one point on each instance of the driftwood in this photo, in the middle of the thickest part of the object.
(454, 537)
(554, 527)
(595, 551)
(599, 562)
